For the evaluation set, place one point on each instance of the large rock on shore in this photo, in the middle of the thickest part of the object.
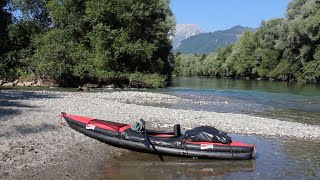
(29, 83)
(33, 83)
(20, 84)
(8, 84)
(39, 83)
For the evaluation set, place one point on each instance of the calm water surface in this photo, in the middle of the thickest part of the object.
(277, 158)
(298, 102)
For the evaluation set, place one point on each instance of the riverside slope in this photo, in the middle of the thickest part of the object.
(34, 145)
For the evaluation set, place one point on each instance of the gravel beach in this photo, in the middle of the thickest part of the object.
(33, 145)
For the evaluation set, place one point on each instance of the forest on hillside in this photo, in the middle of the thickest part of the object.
(286, 49)
(80, 41)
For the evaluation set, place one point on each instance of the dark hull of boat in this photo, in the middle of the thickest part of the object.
(171, 147)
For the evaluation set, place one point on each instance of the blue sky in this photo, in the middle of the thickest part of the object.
(212, 15)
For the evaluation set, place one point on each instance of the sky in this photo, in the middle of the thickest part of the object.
(212, 15)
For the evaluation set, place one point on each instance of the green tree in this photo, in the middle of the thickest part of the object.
(243, 54)
(34, 11)
(96, 39)
(132, 35)
(62, 51)
(19, 59)
(268, 51)
(5, 21)
(213, 65)
(311, 71)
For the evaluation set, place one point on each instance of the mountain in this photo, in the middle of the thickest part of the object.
(205, 43)
(184, 31)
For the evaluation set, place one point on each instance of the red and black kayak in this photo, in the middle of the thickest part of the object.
(200, 142)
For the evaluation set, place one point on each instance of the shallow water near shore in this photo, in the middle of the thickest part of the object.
(297, 102)
(276, 159)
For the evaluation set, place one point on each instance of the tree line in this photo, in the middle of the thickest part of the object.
(285, 49)
(79, 41)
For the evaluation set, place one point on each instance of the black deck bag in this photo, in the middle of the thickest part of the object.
(207, 134)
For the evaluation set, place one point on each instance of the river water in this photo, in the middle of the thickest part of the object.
(277, 158)
(281, 100)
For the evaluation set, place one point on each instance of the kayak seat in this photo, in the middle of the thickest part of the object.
(166, 134)
(177, 130)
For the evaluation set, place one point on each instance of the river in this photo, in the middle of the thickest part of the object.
(282, 100)
(277, 158)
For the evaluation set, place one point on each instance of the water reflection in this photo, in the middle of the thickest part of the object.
(145, 166)
(264, 86)
(276, 159)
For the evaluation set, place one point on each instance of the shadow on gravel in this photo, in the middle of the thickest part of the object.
(27, 129)
(8, 105)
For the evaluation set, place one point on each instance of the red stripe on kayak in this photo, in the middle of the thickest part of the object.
(81, 119)
(112, 126)
(234, 143)
(163, 135)
(127, 126)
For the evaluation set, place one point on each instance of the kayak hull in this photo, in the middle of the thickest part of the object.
(175, 146)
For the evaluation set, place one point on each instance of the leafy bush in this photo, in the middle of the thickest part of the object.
(155, 80)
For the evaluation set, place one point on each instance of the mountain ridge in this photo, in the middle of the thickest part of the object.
(183, 31)
(205, 43)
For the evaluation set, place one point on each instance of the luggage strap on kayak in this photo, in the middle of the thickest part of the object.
(147, 141)
(231, 151)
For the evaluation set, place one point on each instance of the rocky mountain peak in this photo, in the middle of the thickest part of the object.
(183, 31)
